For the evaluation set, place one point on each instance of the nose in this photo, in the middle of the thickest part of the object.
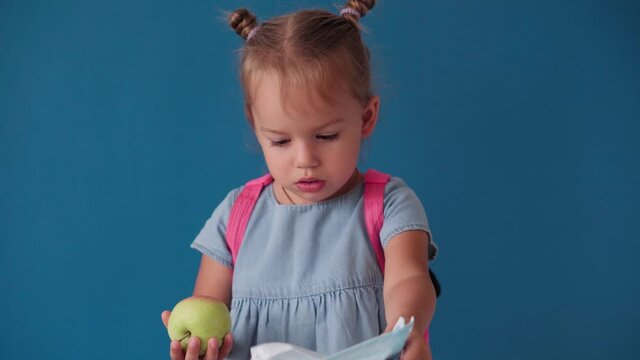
(306, 156)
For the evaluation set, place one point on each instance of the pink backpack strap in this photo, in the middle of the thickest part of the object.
(374, 185)
(241, 212)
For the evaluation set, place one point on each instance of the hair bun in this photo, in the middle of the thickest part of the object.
(242, 21)
(361, 6)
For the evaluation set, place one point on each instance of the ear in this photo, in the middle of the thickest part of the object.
(370, 116)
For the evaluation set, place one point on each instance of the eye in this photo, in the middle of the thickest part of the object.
(331, 137)
(279, 142)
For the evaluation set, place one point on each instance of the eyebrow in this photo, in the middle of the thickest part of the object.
(262, 128)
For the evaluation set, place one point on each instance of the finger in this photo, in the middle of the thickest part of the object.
(413, 350)
(175, 351)
(406, 352)
(407, 355)
(165, 317)
(212, 350)
(193, 349)
(227, 344)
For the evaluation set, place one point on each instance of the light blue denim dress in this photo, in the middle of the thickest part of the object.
(307, 274)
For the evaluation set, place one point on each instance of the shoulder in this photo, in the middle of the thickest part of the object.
(255, 188)
(403, 210)
(395, 183)
(255, 198)
(233, 195)
(223, 208)
(229, 199)
(397, 191)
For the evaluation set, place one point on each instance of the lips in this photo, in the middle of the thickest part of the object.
(310, 185)
(307, 180)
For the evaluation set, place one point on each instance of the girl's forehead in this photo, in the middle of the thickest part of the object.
(272, 100)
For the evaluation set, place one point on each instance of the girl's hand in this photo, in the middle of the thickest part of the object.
(213, 353)
(416, 348)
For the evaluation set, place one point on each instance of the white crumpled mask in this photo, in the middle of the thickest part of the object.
(378, 348)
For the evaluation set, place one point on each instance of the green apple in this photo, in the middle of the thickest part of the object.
(201, 316)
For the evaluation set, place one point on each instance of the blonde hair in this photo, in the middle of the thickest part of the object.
(313, 48)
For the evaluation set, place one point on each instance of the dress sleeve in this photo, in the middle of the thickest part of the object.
(211, 240)
(403, 211)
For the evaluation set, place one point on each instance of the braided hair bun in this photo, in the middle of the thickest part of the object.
(361, 6)
(242, 21)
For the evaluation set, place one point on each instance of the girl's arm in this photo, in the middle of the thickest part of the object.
(408, 290)
(214, 279)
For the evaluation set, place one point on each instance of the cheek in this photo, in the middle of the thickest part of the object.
(352, 146)
(274, 157)
(267, 149)
(346, 154)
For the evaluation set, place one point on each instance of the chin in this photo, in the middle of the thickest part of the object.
(314, 198)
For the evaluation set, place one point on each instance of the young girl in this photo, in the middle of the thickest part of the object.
(306, 272)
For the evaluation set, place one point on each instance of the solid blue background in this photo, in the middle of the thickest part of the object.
(516, 122)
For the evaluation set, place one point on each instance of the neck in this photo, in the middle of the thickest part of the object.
(287, 195)
(350, 184)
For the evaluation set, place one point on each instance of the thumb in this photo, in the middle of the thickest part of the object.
(165, 317)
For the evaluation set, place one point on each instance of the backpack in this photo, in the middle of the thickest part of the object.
(374, 185)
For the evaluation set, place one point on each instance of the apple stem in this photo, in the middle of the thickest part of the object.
(185, 336)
